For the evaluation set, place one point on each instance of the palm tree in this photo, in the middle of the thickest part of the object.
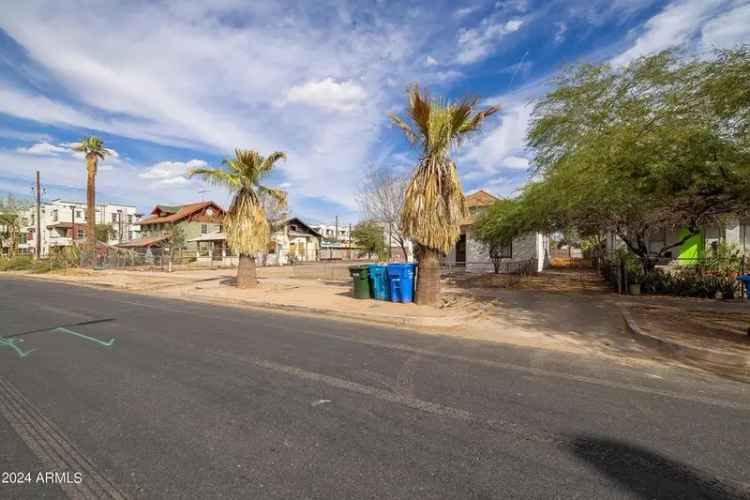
(93, 149)
(246, 225)
(434, 199)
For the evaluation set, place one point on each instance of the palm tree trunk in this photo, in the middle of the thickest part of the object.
(246, 275)
(428, 279)
(91, 211)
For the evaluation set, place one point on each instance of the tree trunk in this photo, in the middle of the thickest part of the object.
(246, 276)
(91, 211)
(428, 279)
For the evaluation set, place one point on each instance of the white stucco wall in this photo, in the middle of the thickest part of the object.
(527, 247)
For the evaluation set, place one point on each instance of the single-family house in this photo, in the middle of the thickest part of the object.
(732, 230)
(293, 241)
(473, 256)
(191, 220)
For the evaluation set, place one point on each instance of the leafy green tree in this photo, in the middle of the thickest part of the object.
(369, 236)
(659, 144)
(10, 231)
(103, 232)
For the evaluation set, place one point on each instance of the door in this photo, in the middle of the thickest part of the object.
(461, 250)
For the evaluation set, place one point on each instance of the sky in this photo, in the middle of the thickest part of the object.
(174, 84)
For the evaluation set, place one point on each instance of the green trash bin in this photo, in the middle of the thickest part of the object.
(361, 282)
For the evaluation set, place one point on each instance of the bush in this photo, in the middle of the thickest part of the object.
(17, 263)
(688, 283)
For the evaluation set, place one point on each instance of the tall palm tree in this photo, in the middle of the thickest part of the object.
(93, 149)
(434, 199)
(246, 224)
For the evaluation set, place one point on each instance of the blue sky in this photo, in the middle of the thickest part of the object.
(173, 84)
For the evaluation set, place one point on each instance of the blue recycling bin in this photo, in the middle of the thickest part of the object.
(401, 280)
(394, 281)
(745, 278)
(379, 281)
(408, 270)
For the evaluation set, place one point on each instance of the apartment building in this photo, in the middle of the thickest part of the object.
(64, 222)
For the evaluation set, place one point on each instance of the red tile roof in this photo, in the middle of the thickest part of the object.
(480, 198)
(476, 202)
(183, 212)
(143, 242)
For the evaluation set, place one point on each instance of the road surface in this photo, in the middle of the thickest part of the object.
(129, 396)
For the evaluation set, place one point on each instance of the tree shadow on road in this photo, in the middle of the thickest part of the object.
(649, 475)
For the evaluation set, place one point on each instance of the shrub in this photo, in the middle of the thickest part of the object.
(17, 263)
(688, 283)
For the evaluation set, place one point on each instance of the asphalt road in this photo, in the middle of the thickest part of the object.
(152, 398)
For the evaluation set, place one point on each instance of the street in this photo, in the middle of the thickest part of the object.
(160, 398)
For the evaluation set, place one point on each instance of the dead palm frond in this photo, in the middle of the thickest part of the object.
(245, 223)
(434, 200)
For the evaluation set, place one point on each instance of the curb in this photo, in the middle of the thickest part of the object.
(688, 351)
(402, 321)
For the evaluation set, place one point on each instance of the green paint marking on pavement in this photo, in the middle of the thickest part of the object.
(105, 343)
(12, 343)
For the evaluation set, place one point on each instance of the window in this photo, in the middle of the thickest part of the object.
(114, 217)
(130, 219)
(204, 228)
(130, 235)
(54, 215)
(81, 233)
(78, 214)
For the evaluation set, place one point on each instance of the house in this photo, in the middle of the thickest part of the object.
(192, 220)
(63, 223)
(473, 255)
(293, 241)
(334, 234)
(733, 230)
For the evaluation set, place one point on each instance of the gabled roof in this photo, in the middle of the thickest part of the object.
(177, 213)
(308, 228)
(144, 242)
(480, 198)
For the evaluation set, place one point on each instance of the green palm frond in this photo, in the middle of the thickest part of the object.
(92, 146)
(217, 176)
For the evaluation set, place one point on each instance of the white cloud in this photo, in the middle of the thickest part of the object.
(212, 83)
(727, 30)
(64, 175)
(170, 172)
(43, 149)
(673, 26)
(430, 61)
(464, 11)
(502, 147)
(562, 28)
(328, 94)
(515, 162)
(475, 44)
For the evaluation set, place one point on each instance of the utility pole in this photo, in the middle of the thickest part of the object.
(336, 233)
(38, 216)
(73, 224)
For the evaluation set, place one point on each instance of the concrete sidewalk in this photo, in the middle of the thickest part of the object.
(311, 296)
(281, 293)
